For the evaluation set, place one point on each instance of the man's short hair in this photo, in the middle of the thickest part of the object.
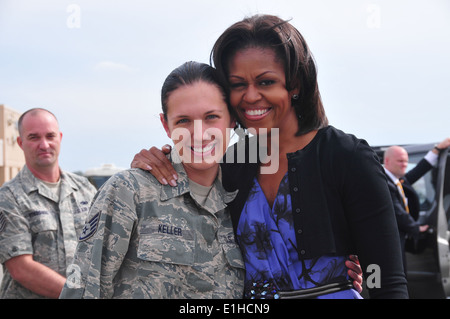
(32, 111)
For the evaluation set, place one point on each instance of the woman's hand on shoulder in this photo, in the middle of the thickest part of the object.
(155, 161)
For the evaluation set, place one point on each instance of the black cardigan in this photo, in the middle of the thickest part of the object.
(340, 204)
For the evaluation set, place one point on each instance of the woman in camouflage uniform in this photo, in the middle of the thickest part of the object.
(147, 240)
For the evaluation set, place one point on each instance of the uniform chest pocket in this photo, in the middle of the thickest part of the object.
(231, 250)
(166, 244)
(42, 221)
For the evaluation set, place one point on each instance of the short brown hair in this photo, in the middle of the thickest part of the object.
(32, 111)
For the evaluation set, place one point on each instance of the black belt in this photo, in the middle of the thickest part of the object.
(316, 291)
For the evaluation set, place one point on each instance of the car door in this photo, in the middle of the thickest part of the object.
(443, 221)
(428, 260)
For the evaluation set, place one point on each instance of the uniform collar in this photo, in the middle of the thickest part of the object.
(217, 198)
(31, 183)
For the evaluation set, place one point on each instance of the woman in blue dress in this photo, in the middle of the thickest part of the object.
(266, 237)
(327, 196)
(327, 199)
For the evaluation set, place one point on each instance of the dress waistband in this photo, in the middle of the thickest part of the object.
(316, 291)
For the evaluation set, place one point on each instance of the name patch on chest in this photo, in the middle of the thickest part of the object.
(171, 230)
(166, 228)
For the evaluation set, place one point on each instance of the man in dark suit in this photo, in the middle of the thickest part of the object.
(405, 199)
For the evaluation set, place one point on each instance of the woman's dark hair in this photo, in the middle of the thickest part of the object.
(187, 74)
(267, 31)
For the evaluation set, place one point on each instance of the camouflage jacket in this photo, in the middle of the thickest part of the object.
(33, 221)
(146, 240)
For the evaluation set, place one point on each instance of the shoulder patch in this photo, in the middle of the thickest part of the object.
(90, 228)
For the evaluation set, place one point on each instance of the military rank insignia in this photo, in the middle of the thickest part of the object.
(90, 227)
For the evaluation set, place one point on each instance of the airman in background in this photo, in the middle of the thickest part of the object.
(42, 213)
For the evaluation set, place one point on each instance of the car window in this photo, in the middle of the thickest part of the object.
(425, 186)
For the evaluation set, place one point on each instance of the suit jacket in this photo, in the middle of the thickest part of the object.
(407, 223)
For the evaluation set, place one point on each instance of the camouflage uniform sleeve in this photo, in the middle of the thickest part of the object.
(104, 241)
(15, 234)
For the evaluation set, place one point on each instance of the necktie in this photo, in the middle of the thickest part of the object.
(403, 196)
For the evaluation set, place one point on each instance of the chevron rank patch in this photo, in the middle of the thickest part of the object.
(90, 228)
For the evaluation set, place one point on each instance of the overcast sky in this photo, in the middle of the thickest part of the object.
(384, 65)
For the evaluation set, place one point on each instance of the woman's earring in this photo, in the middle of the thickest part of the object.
(295, 96)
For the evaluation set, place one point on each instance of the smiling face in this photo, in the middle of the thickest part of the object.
(198, 121)
(258, 90)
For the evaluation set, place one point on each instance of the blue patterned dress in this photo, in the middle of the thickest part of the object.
(267, 238)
